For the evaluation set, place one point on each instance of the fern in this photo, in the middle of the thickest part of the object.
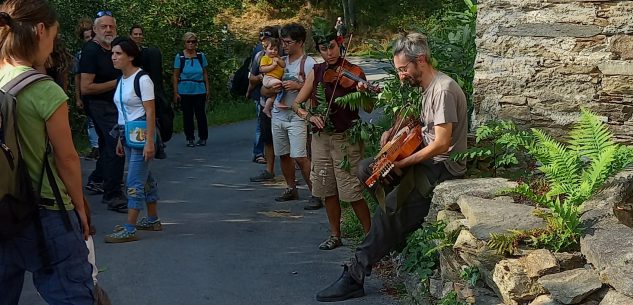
(590, 137)
(357, 100)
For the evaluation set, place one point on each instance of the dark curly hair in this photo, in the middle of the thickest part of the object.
(130, 48)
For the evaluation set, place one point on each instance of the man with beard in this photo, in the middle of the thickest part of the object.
(98, 82)
(444, 126)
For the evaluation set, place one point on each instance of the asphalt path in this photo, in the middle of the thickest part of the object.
(225, 239)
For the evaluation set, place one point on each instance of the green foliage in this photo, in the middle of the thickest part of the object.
(451, 299)
(499, 146)
(574, 172)
(470, 274)
(421, 254)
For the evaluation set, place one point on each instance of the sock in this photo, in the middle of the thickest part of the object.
(130, 228)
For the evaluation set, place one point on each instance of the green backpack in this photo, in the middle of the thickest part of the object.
(18, 199)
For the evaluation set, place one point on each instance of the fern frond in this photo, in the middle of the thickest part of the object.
(590, 136)
(356, 100)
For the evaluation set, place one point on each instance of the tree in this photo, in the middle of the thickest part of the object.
(349, 13)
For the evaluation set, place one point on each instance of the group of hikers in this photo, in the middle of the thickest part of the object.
(120, 83)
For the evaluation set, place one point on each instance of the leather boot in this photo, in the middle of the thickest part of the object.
(344, 288)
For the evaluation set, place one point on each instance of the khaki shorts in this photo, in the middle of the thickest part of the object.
(290, 136)
(328, 179)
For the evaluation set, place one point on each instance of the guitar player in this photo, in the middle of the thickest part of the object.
(444, 126)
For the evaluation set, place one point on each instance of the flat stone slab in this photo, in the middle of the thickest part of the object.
(607, 244)
(571, 287)
(497, 215)
(551, 30)
(446, 193)
(615, 298)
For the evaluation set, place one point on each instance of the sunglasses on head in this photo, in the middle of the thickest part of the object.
(103, 13)
(265, 34)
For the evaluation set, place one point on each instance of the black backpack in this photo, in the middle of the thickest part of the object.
(18, 200)
(160, 148)
(152, 61)
(239, 79)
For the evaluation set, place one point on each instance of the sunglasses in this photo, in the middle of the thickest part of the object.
(104, 13)
(191, 41)
(265, 34)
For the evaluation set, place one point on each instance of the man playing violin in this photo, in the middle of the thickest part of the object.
(330, 147)
(444, 126)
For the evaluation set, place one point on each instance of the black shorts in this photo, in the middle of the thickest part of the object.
(265, 128)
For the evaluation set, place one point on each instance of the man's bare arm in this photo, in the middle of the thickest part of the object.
(89, 87)
(443, 136)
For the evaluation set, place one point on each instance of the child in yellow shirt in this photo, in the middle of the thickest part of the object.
(272, 65)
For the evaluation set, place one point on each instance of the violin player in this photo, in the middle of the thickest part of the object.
(444, 125)
(330, 147)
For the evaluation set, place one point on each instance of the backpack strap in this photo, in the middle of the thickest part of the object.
(302, 72)
(137, 83)
(181, 55)
(23, 80)
(199, 57)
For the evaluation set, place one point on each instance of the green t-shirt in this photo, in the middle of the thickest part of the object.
(35, 106)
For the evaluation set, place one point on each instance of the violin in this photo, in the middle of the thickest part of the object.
(347, 75)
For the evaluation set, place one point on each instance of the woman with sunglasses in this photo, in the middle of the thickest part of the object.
(142, 189)
(191, 89)
(51, 246)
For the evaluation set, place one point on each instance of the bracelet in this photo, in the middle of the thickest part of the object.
(307, 117)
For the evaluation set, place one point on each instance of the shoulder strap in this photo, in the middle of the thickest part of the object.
(22, 81)
(182, 60)
(137, 83)
(199, 56)
(302, 72)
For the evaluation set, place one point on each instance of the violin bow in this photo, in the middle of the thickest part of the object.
(339, 72)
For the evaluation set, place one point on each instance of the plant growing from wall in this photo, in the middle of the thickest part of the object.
(574, 172)
(421, 254)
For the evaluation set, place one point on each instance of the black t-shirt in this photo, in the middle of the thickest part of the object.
(98, 61)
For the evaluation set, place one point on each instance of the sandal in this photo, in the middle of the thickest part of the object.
(260, 160)
(331, 243)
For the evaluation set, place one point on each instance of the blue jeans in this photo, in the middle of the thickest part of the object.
(70, 279)
(258, 145)
(141, 186)
(92, 133)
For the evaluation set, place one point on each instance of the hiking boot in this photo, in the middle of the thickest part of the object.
(344, 288)
(201, 143)
(263, 176)
(92, 155)
(190, 143)
(314, 203)
(121, 236)
(145, 224)
(331, 243)
(117, 204)
(288, 194)
(94, 187)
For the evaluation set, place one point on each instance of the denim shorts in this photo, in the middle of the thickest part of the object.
(68, 281)
(141, 185)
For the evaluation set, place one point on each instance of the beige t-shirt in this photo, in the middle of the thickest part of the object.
(445, 102)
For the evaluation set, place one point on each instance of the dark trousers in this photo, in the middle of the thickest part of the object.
(389, 229)
(194, 104)
(105, 116)
(97, 173)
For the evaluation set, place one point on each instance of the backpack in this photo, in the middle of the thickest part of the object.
(182, 57)
(239, 79)
(152, 61)
(160, 148)
(19, 203)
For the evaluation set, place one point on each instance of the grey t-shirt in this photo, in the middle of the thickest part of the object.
(445, 102)
(291, 72)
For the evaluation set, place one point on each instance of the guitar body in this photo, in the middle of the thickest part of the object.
(404, 144)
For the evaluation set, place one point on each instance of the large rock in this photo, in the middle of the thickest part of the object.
(571, 287)
(539, 263)
(615, 298)
(569, 261)
(513, 283)
(497, 215)
(446, 193)
(607, 244)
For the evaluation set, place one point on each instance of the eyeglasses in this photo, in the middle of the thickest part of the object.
(191, 41)
(404, 69)
(104, 13)
(288, 42)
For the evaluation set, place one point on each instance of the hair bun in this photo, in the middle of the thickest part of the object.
(5, 19)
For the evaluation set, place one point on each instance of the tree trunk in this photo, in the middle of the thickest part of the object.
(349, 14)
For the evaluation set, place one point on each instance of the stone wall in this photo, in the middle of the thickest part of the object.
(539, 61)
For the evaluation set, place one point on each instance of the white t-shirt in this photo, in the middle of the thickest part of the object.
(291, 72)
(133, 105)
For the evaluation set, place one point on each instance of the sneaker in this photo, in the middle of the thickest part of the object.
(201, 143)
(121, 236)
(331, 243)
(288, 194)
(190, 143)
(117, 204)
(93, 154)
(145, 224)
(263, 176)
(314, 203)
(94, 187)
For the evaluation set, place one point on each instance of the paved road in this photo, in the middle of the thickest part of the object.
(222, 242)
